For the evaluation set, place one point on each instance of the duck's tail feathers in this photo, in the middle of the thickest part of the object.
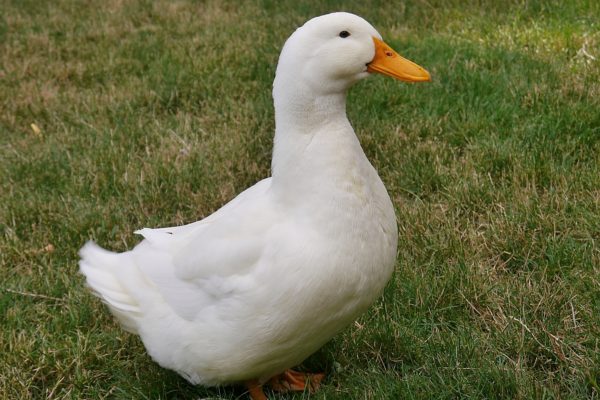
(99, 267)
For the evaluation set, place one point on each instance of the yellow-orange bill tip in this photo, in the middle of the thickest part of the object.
(388, 62)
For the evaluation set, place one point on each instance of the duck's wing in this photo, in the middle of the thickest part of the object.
(197, 264)
(162, 236)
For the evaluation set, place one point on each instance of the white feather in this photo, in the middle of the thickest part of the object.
(265, 281)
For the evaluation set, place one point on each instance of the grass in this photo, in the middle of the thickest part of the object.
(122, 114)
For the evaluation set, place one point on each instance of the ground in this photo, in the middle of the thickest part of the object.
(122, 114)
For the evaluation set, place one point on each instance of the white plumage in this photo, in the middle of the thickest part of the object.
(266, 280)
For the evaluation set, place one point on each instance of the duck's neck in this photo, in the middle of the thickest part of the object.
(314, 140)
(303, 112)
(299, 116)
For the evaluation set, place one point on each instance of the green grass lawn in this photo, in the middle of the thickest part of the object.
(122, 114)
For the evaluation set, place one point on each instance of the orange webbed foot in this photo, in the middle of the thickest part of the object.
(291, 380)
(255, 390)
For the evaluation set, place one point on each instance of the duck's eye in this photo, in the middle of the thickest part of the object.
(344, 34)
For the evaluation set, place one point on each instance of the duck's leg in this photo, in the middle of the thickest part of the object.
(296, 381)
(255, 390)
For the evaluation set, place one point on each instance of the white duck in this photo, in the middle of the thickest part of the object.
(265, 281)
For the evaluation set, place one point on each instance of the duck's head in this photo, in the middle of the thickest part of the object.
(332, 52)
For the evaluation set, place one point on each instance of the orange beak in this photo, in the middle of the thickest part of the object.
(388, 62)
